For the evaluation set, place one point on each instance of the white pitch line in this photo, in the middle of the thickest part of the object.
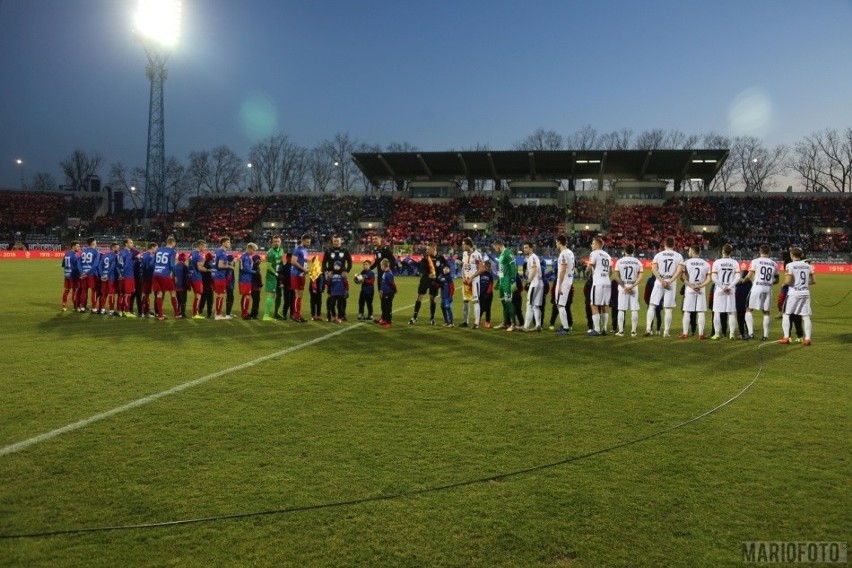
(16, 447)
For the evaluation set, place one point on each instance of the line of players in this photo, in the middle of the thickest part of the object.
(669, 268)
(114, 280)
(125, 276)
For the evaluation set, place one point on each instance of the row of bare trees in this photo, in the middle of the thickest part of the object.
(822, 161)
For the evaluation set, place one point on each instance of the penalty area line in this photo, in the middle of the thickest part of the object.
(18, 446)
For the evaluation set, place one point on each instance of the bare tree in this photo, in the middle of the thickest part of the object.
(677, 140)
(200, 172)
(757, 165)
(126, 179)
(321, 169)
(616, 140)
(809, 162)
(267, 161)
(339, 151)
(541, 139)
(836, 162)
(228, 170)
(362, 180)
(584, 139)
(43, 181)
(79, 167)
(294, 168)
(178, 186)
(650, 139)
(724, 178)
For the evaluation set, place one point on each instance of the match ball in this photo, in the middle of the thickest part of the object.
(359, 278)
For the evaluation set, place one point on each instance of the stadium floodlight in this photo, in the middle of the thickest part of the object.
(158, 21)
(156, 27)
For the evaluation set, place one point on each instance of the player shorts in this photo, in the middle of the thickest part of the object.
(427, 286)
(564, 296)
(297, 282)
(798, 305)
(107, 286)
(163, 283)
(535, 295)
(72, 283)
(724, 303)
(271, 282)
(219, 285)
(760, 298)
(665, 297)
(694, 302)
(628, 301)
(127, 286)
(601, 294)
(197, 287)
(245, 288)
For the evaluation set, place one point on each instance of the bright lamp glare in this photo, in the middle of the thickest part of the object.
(159, 21)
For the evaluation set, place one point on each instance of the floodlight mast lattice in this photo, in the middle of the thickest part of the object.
(157, 24)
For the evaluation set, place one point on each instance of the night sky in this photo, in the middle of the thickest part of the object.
(438, 75)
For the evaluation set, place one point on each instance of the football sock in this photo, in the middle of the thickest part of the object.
(766, 320)
(749, 319)
(785, 325)
(563, 316)
(806, 320)
(417, 305)
(175, 306)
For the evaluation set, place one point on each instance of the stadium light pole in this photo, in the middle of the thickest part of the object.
(156, 27)
(20, 163)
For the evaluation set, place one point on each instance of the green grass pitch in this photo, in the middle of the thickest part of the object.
(373, 412)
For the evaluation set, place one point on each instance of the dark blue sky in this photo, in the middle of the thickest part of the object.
(436, 74)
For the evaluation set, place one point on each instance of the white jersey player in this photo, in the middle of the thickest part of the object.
(600, 267)
(564, 281)
(472, 267)
(535, 289)
(799, 278)
(763, 273)
(667, 266)
(726, 275)
(628, 273)
(696, 275)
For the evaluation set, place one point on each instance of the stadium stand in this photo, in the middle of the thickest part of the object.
(819, 225)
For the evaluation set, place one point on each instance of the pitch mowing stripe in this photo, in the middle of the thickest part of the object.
(18, 446)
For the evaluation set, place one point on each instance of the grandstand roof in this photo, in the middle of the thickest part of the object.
(541, 165)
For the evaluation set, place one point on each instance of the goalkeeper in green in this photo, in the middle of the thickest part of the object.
(507, 274)
(274, 258)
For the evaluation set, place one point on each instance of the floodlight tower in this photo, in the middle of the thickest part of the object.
(157, 24)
